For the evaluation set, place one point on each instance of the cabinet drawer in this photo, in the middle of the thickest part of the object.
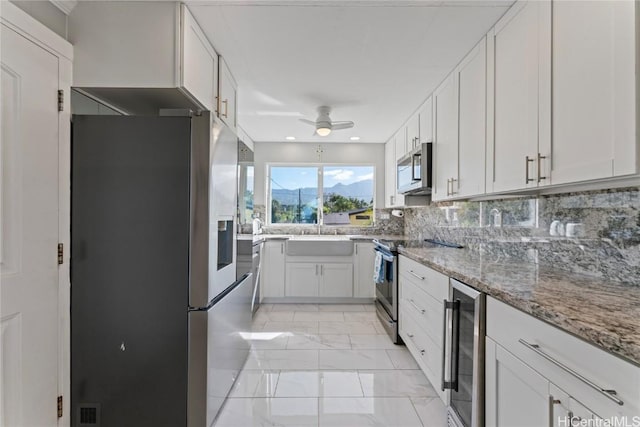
(430, 281)
(428, 311)
(510, 328)
(424, 349)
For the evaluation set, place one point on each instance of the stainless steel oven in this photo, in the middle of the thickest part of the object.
(463, 361)
(386, 283)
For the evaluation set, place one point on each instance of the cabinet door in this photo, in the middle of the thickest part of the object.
(398, 141)
(227, 96)
(401, 142)
(516, 395)
(198, 62)
(471, 76)
(566, 410)
(302, 279)
(519, 48)
(390, 173)
(426, 121)
(273, 271)
(336, 280)
(364, 258)
(594, 87)
(445, 100)
(413, 132)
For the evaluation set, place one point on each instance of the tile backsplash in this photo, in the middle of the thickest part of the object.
(384, 224)
(595, 233)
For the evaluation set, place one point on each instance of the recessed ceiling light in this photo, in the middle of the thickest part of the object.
(290, 138)
(355, 138)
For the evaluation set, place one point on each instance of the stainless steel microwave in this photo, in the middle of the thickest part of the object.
(415, 170)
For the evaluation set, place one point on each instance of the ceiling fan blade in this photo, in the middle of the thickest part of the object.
(309, 122)
(341, 125)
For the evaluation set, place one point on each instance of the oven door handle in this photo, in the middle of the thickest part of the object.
(387, 256)
(454, 306)
(416, 159)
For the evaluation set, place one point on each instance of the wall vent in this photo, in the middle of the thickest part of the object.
(88, 415)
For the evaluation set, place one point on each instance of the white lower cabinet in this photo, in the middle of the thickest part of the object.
(308, 279)
(301, 279)
(273, 271)
(421, 316)
(516, 395)
(537, 375)
(336, 280)
(363, 261)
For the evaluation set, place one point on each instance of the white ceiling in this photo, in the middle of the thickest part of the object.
(373, 62)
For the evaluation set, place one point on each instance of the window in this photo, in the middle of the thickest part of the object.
(344, 195)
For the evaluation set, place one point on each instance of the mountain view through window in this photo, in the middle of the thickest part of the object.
(344, 198)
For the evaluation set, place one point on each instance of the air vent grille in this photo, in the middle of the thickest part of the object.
(88, 415)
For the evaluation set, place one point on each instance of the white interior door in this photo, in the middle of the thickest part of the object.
(29, 227)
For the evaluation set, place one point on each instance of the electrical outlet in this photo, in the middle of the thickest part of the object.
(384, 216)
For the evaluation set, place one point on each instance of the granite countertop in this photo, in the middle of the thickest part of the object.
(354, 237)
(606, 314)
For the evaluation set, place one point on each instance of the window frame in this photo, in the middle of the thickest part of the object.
(320, 193)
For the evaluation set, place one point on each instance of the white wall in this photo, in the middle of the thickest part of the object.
(306, 152)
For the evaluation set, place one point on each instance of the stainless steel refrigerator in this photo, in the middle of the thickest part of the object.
(141, 309)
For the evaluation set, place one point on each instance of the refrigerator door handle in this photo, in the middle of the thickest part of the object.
(222, 294)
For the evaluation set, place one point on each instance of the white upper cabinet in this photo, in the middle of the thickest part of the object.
(413, 132)
(389, 173)
(392, 198)
(426, 121)
(472, 98)
(400, 150)
(519, 107)
(445, 104)
(594, 90)
(143, 45)
(400, 138)
(227, 105)
(199, 62)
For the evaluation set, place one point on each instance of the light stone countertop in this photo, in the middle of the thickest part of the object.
(354, 237)
(606, 314)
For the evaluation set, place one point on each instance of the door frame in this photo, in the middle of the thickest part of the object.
(29, 28)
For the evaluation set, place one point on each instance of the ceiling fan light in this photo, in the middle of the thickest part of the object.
(323, 131)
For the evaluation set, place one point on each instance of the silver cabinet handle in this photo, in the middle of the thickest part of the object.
(226, 108)
(415, 275)
(316, 269)
(321, 269)
(540, 157)
(609, 394)
(527, 160)
(281, 248)
(416, 307)
(452, 181)
(448, 182)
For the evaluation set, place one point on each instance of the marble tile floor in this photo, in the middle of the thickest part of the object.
(328, 365)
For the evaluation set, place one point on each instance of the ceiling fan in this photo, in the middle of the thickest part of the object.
(323, 123)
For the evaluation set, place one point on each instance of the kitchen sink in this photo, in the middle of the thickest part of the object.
(319, 246)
